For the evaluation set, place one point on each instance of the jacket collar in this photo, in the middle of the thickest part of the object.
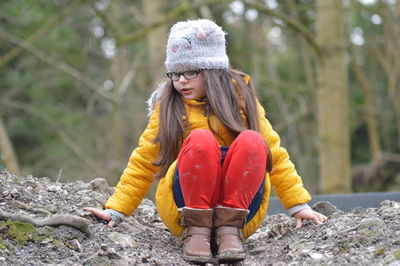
(199, 101)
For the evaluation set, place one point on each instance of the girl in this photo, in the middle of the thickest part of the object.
(215, 152)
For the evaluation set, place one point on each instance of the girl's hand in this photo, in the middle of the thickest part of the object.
(308, 214)
(101, 214)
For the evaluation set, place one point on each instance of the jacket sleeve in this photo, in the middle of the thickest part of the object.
(138, 175)
(284, 178)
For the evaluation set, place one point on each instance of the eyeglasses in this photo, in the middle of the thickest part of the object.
(188, 75)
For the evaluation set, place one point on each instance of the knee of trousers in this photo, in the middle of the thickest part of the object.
(251, 140)
(201, 140)
(170, 215)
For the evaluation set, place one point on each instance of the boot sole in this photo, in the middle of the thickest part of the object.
(196, 259)
(230, 257)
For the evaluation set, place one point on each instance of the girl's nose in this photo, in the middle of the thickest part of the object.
(182, 78)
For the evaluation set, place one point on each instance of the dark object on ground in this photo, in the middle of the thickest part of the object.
(378, 175)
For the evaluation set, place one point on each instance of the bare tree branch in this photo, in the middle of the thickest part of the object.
(63, 135)
(7, 153)
(295, 24)
(127, 79)
(40, 33)
(171, 15)
(63, 219)
(55, 63)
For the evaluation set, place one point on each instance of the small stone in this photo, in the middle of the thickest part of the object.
(46, 241)
(3, 229)
(330, 232)
(371, 222)
(100, 185)
(358, 210)
(54, 189)
(122, 239)
(78, 245)
(258, 250)
(325, 208)
(305, 251)
(316, 256)
(390, 212)
(31, 184)
(386, 203)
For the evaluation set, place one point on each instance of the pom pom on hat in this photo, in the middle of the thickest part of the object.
(196, 44)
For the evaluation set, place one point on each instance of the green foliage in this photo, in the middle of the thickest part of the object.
(57, 120)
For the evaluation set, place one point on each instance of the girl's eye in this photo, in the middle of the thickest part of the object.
(191, 74)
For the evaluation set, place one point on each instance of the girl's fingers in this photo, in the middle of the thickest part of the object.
(322, 218)
(111, 223)
(98, 213)
(298, 222)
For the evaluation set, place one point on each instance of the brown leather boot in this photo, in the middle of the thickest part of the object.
(227, 224)
(196, 235)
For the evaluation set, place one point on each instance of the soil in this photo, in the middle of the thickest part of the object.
(360, 237)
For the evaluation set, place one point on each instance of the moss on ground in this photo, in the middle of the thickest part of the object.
(20, 232)
(2, 245)
(396, 253)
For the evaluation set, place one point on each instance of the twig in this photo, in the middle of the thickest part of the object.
(59, 175)
(64, 219)
(29, 208)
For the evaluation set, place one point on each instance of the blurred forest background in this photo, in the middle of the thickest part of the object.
(75, 75)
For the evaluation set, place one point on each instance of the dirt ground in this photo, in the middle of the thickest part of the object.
(364, 236)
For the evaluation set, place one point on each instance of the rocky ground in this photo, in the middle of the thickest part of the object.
(364, 236)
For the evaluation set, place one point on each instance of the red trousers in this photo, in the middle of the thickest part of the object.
(205, 183)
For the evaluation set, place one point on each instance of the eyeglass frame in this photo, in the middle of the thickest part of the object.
(170, 74)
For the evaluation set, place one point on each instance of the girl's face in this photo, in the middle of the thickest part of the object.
(190, 88)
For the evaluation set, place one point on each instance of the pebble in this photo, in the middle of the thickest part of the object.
(316, 256)
(78, 245)
(3, 229)
(154, 245)
(122, 239)
(324, 207)
(371, 222)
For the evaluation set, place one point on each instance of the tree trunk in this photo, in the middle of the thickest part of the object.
(156, 39)
(373, 134)
(119, 67)
(7, 151)
(332, 96)
(392, 46)
(156, 47)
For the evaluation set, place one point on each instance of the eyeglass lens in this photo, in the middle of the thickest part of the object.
(191, 74)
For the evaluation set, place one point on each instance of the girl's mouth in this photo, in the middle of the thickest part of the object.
(186, 91)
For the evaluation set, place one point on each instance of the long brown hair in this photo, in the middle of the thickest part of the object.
(227, 94)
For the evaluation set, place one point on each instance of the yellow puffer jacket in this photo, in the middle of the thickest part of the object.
(137, 177)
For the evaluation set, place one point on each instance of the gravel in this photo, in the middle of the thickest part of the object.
(360, 237)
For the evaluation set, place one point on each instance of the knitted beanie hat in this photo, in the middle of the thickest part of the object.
(196, 44)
